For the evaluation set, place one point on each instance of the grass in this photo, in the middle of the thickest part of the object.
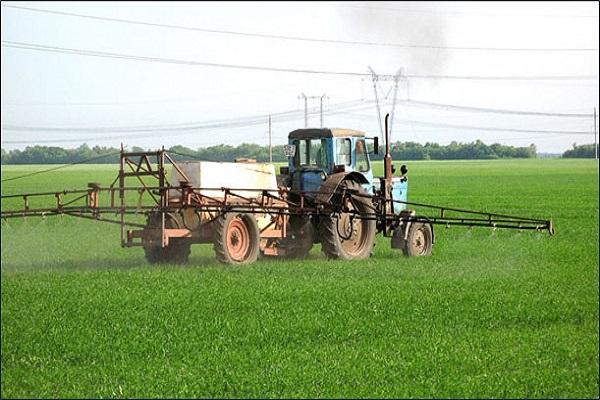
(502, 314)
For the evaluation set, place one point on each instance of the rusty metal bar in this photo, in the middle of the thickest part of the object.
(164, 203)
(269, 208)
(177, 168)
(263, 205)
(139, 154)
(112, 221)
(138, 176)
(75, 199)
(122, 196)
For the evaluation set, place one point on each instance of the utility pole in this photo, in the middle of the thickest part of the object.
(270, 142)
(320, 98)
(321, 107)
(595, 133)
(302, 95)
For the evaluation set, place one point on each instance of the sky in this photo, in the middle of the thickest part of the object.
(154, 86)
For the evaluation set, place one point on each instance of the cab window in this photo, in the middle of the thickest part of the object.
(362, 160)
(319, 154)
(311, 152)
(343, 151)
(301, 152)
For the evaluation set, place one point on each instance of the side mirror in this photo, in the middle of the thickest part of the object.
(376, 145)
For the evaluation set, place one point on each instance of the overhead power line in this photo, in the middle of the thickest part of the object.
(195, 125)
(506, 78)
(102, 54)
(100, 104)
(410, 103)
(339, 108)
(93, 53)
(490, 110)
(172, 130)
(484, 139)
(294, 38)
(258, 121)
(494, 129)
(470, 127)
(122, 139)
(59, 167)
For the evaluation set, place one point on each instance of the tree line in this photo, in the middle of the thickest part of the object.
(400, 151)
(581, 151)
(459, 151)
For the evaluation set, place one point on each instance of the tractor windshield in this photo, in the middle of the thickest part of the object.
(362, 161)
(312, 153)
(344, 155)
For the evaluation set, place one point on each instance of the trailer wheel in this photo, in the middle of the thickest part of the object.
(300, 239)
(178, 250)
(419, 241)
(346, 236)
(236, 239)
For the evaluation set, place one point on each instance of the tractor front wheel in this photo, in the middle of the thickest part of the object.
(419, 241)
(236, 239)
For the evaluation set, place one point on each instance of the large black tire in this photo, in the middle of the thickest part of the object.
(344, 238)
(300, 238)
(236, 238)
(419, 241)
(178, 250)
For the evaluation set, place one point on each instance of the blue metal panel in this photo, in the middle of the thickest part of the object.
(330, 154)
(399, 192)
(311, 181)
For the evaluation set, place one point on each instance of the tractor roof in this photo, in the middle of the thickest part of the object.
(314, 133)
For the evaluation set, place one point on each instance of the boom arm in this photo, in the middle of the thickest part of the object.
(122, 200)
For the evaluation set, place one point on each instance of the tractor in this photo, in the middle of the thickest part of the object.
(324, 164)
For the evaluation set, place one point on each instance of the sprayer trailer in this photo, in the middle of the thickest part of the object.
(202, 214)
(326, 194)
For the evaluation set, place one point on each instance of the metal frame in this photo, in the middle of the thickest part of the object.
(151, 199)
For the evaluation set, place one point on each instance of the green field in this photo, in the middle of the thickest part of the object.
(489, 314)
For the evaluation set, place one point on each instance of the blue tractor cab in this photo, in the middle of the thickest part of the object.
(317, 156)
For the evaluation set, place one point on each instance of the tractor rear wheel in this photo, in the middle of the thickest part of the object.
(347, 236)
(237, 238)
(419, 241)
(178, 249)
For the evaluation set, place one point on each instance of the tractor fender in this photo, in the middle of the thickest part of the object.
(329, 187)
(356, 176)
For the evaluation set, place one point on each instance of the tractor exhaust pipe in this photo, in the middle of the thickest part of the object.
(387, 158)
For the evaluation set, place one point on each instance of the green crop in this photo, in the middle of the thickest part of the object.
(489, 314)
